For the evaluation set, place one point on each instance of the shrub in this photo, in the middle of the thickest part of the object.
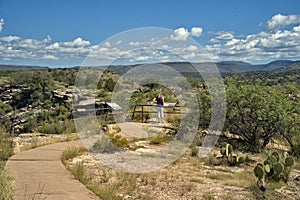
(120, 142)
(5, 144)
(52, 128)
(158, 139)
(194, 150)
(104, 145)
(72, 152)
(69, 127)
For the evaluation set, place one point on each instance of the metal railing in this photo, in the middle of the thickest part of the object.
(168, 110)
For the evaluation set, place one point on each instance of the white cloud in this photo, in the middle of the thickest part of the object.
(192, 48)
(297, 28)
(134, 44)
(265, 45)
(118, 42)
(78, 42)
(261, 46)
(281, 40)
(182, 34)
(10, 38)
(49, 57)
(278, 21)
(196, 31)
(222, 36)
(1, 24)
(107, 44)
(53, 46)
(142, 58)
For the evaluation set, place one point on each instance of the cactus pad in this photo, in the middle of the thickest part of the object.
(259, 172)
(241, 159)
(278, 168)
(259, 164)
(276, 155)
(267, 168)
(223, 144)
(223, 151)
(272, 159)
(289, 161)
(267, 162)
(230, 149)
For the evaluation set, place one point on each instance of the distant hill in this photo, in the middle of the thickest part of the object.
(188, 68)
(224, 66)
(235, 66)
(274, 66)
(19, 67)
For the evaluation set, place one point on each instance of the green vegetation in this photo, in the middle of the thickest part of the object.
(229, 158)
(274, 169)
(6, 191)
(158, 139)
(259, 113)
(263, 109)
(72, 152)
(104, 145)
(5, 144)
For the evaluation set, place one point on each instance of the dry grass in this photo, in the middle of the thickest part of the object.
(6, 189)
(187, 178)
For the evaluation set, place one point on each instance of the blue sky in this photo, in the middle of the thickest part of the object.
(62, 33)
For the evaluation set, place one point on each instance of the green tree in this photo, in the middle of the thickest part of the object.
(110, 85)
(289, 125)
(257, 113)
(204, 101)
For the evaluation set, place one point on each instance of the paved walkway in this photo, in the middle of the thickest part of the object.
(39, 174)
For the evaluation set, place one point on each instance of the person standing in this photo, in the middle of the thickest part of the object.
(159, 100)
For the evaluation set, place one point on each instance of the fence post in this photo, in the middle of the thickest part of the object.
(142, 113)
(133, 113)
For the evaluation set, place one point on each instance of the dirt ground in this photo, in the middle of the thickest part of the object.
(187, 178)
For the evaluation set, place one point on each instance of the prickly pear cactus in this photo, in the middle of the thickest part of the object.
(247, 159)
(276, 155)
(272, 159)
(223, 145)
(223, 151)
(259, 171)
(289, 161)
(267, 162)
(230, 158)
(230, 149)
(278, 168)
(241, 160)
(267, 168)
(275, 168)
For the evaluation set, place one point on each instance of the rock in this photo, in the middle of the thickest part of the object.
(76, 160)
(16, 145)
(127, 196)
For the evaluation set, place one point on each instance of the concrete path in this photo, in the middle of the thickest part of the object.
(39, 174)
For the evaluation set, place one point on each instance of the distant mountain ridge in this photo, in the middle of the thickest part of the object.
(223, 66)
(4, 67)
(274, 66)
